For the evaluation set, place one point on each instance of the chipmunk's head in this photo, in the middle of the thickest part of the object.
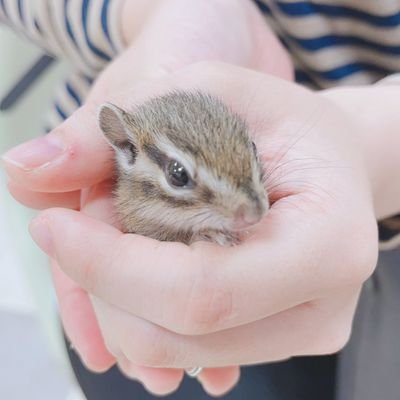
(186, 164)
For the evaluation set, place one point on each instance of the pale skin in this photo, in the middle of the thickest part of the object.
(164, 37)
(290, 289)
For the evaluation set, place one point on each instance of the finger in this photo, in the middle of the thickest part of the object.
(97, 202)
(71, 157)
(164, 381)
(318, 327)
(219, 381)
(41, 201)
(159, 381)
(202, 288)
(75, 155)
(80, 323)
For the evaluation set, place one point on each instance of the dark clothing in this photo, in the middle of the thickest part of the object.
(367, 369)
(303, 378)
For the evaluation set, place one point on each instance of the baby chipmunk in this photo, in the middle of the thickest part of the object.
(187, 169)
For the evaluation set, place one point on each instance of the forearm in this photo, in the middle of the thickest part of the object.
(134, 15)
(178, 33)
(377, 111)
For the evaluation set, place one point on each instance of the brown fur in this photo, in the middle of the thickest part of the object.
(213, 138)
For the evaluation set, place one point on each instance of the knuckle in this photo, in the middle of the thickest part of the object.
(332, 339)
(325, 330)
(363, 254)
(336, 340)
(357, 259)
(113, 348)
(208, 307)
(88, 275)
(120, 255)
(92, 273)
(125, 367)
(150, 349)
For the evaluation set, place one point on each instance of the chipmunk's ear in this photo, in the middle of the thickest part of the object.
(113, 121)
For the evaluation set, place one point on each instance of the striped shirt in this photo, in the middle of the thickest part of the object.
(338, 42)
(331, 42)
(85, 33)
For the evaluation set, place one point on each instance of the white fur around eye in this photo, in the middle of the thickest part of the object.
(147, 169)
(214, 184)
(172, 152)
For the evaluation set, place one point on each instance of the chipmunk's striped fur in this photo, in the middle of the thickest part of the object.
(210, 143)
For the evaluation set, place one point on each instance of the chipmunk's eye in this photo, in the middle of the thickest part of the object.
(177, 175)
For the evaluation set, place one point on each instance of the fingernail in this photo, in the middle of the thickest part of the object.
(36, 153)
(41, 234)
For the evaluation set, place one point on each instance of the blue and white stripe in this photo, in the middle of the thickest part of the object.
(342, 42)
(332, 42)
(86, 33)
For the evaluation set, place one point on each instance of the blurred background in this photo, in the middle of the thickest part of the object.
(34, 364)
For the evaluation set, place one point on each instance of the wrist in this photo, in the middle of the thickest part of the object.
(134, 15)
(375, 111)
(179, 34)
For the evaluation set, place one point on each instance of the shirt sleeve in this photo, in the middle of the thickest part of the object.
(390, 79)
(86, 32)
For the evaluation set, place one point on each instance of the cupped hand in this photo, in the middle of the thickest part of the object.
(289, 289)
(52, 171)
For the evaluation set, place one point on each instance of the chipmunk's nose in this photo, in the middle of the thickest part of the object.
(247, 215)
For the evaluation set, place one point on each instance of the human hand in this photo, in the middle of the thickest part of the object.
(52, 171)
(290, 289)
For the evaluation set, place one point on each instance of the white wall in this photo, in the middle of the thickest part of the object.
(26, 296)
